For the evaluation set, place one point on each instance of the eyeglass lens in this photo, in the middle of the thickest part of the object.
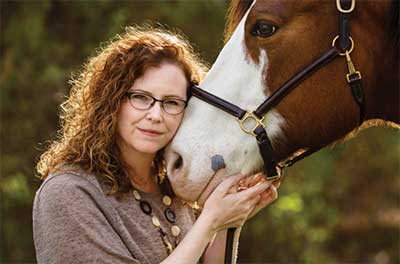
(144, 102)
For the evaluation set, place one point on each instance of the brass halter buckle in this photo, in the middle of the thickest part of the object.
(246, 123)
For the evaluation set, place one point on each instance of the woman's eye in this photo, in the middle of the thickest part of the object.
(140, 97)
(171, 102)
(263, 29)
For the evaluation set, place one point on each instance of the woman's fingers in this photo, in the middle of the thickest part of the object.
(229, 182)
(266, 198)
(270, 195)
(243, 212)
(277, 184)
(254, 190)
(229, 207)
(251, 180)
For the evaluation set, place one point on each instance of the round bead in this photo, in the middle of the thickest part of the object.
(166, 200)
(136, 194)
(146, 207)
(155, 221)
(175, 230)
(170, 215)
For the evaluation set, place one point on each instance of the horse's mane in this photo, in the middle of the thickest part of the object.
(238, 8)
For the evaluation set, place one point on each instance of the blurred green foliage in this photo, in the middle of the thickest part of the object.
(338, 206)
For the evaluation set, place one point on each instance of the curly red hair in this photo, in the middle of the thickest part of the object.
(89, 116)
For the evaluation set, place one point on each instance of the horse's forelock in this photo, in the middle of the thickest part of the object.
(236, 11)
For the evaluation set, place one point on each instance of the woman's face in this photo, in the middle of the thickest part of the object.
(147, 131)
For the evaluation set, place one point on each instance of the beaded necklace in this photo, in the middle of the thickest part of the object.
(169, 214)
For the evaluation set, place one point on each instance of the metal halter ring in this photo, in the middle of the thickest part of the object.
(345, 11)
(256, 121)
(277, 178)
(343, 53)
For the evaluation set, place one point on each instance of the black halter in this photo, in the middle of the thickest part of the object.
(343, 48)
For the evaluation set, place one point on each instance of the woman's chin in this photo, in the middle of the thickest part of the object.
(150, 149)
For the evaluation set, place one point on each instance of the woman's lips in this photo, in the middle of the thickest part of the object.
(150, 132)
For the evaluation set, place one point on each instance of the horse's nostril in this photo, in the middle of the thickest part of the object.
(178, 162)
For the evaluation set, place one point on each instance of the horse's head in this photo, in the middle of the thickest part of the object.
(270, 40)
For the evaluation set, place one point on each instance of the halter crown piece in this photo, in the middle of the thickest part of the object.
(252, 122)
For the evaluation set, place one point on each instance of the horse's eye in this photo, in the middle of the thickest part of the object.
(263, 29)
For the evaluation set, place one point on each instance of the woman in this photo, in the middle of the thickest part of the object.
(105, 197)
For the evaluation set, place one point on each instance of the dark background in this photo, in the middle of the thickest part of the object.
(340, 205)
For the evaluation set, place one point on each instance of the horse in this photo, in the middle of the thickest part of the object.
(267, 43)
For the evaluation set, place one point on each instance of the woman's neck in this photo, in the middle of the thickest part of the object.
(140, 170)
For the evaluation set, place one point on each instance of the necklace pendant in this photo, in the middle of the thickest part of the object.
(167, 244)
(169, 248)
(175, 230)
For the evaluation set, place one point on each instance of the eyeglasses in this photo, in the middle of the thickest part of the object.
(142, 101)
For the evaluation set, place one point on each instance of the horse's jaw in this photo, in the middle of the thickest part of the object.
(207, 131)
(197, 147)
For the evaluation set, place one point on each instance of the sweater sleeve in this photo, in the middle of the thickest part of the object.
(70, 225)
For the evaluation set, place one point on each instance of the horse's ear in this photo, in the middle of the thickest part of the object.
(236, 11)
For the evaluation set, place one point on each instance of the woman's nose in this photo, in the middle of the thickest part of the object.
(155, 112)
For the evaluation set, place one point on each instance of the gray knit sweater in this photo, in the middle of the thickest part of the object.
(74, 221)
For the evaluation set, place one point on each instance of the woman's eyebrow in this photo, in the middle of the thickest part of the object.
(140, 91)
(173, 96)
(164, 96)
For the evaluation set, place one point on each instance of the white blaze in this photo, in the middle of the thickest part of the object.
(207, 131)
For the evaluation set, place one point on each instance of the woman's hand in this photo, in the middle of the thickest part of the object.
(266, 197)
(226, 207)
(229, 204)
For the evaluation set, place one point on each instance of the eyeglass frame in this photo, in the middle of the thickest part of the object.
(129, 94)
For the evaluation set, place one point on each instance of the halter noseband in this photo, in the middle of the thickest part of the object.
(246, 119)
